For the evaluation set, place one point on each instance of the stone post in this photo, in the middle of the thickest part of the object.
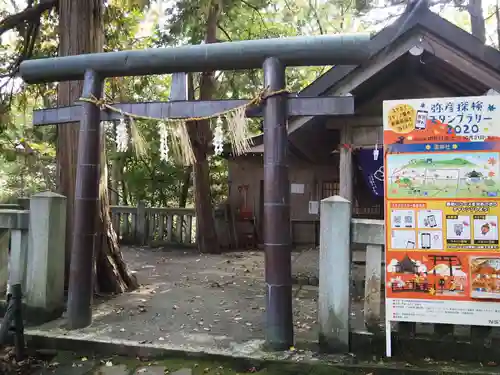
(141, 223)
(46, 256)
(334, 274)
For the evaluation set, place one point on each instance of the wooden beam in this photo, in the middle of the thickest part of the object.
(186, 109)
(427, 85)
(450, 34)
(179, 87)
(360, 74)
(367, 70)
(354, 121)
(480, 72)
(398, 89)
(380, 41)
(442, 79)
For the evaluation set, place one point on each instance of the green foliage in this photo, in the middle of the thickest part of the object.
(184, 22)
(136, 24)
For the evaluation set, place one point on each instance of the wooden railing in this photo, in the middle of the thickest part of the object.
(339, 235)
(151, 225)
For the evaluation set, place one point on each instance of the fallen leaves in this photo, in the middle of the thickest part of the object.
(9, 365)
(220, 296)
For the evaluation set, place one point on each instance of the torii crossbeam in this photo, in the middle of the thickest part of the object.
(273, 55)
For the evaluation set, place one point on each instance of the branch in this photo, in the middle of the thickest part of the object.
(28, 14)
(219, 26)
(257, 11)
(27, 21)
(312, 8)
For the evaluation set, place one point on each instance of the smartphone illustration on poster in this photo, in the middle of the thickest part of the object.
(410, 244)
(432, 221)
(425, 240)
(421, 120)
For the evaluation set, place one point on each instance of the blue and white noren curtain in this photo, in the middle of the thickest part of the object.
(372, 170)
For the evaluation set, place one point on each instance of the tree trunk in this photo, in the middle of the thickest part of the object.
(111, 272)
(124, 187)
(78, 27)
(478, 28)
(186, 183)
(187, 177)
(200, 136)
(114, 178)
(80, 31)
(114, 196)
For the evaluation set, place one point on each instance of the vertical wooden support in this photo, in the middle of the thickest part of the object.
(86, 208)
(277, 242)
(115, 219)
(334, 302)
(373, 280)
(141, 223)
(346, 173)
(179, 87)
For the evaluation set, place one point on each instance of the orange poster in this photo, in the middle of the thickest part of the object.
(442, 194)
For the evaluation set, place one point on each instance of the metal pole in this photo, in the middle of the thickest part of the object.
(277, 241)
(86, 208)
(13, 322)
(19, 344)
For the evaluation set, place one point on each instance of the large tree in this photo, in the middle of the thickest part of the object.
(200, 135)
(477, 21)
(81, 31)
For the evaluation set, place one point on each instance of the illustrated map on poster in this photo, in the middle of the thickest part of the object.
(442, 189)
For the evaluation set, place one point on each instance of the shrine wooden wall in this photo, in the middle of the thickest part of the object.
(312, 182)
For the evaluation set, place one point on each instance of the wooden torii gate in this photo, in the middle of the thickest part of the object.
(273, 55)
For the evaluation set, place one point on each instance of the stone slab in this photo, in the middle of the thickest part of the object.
(151, 370)
(183, 371)
(77, 367)
(112, 370)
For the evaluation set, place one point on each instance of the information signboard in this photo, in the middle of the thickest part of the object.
(442, 194)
